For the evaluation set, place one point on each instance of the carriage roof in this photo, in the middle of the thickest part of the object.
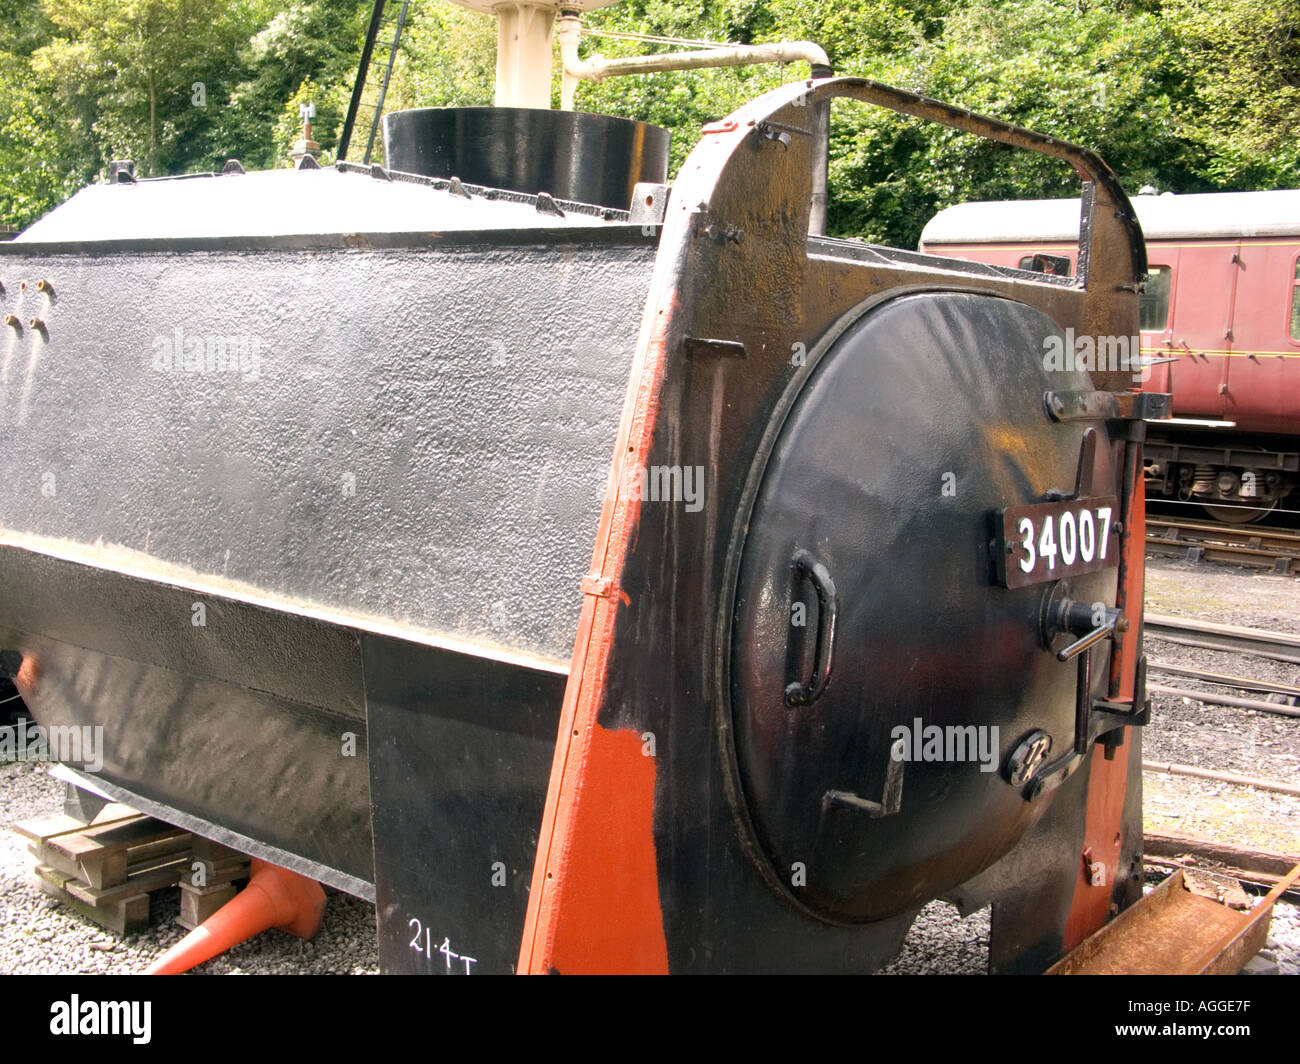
(1215, 215)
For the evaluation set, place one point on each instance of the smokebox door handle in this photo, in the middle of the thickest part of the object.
(808, 567)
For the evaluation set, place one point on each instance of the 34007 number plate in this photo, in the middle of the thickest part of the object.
(1050, 540)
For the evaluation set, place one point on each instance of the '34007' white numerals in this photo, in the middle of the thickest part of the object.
(1069, 535)
(423, 943)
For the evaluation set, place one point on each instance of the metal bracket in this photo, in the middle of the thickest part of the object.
(1085, 471)
(891, 798)
(1094, 721)
(705, 347)
(597, 586)
(1110, 406)
(649, 203)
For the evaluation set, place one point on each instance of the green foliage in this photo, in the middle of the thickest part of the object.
(134, 65)
(1188, 95)
(1240, 61)
(39, 161)
(448, 58)
(315, 43)
(43, 148)
(1093, 76)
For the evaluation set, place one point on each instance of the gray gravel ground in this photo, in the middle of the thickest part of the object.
(941, 942)
(39, 935)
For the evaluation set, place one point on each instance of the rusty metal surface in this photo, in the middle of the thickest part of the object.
(1176, 930)
(476, 496)
(1227, 957)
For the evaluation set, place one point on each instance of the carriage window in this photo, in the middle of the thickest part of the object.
(1295, 303)
(1058, 265)
(1153, 304)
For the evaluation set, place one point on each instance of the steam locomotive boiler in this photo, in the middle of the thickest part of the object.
(640, 583)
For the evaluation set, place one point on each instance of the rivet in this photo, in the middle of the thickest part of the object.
(36, 323)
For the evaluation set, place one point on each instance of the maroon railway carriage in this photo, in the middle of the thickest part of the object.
(1222, 306)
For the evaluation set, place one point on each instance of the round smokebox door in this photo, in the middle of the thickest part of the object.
(881, 785)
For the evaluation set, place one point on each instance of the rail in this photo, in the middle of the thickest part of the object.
(1277, 549)
(1278, 646)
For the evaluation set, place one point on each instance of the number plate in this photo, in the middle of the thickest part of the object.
(1051, 540)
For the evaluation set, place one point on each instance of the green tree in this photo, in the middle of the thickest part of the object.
(1241, 113)
(1097, 76)
(145, 63)
(45, 153)
(303, 42)
(1189, 95)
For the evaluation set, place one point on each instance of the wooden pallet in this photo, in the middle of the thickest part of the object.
(106, 870)
(209, 881)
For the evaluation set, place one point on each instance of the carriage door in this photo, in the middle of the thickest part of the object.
(1202, 339)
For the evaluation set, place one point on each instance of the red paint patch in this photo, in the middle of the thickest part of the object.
(1107, 785)
(1108, 780)
(605, 900)
(594, 905)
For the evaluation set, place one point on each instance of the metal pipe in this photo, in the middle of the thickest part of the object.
(363, 69)
(524, 51)
(1210, 698)
(821, 149)
(597, 68)
(1222, 777)
(388, 74)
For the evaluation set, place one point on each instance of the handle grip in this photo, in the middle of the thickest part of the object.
(805, 694)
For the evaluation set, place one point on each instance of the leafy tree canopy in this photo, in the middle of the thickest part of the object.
(1188, 95)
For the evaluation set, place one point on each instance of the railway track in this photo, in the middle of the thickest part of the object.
(1277, 549)
(1276, 646)
(1186, 631)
